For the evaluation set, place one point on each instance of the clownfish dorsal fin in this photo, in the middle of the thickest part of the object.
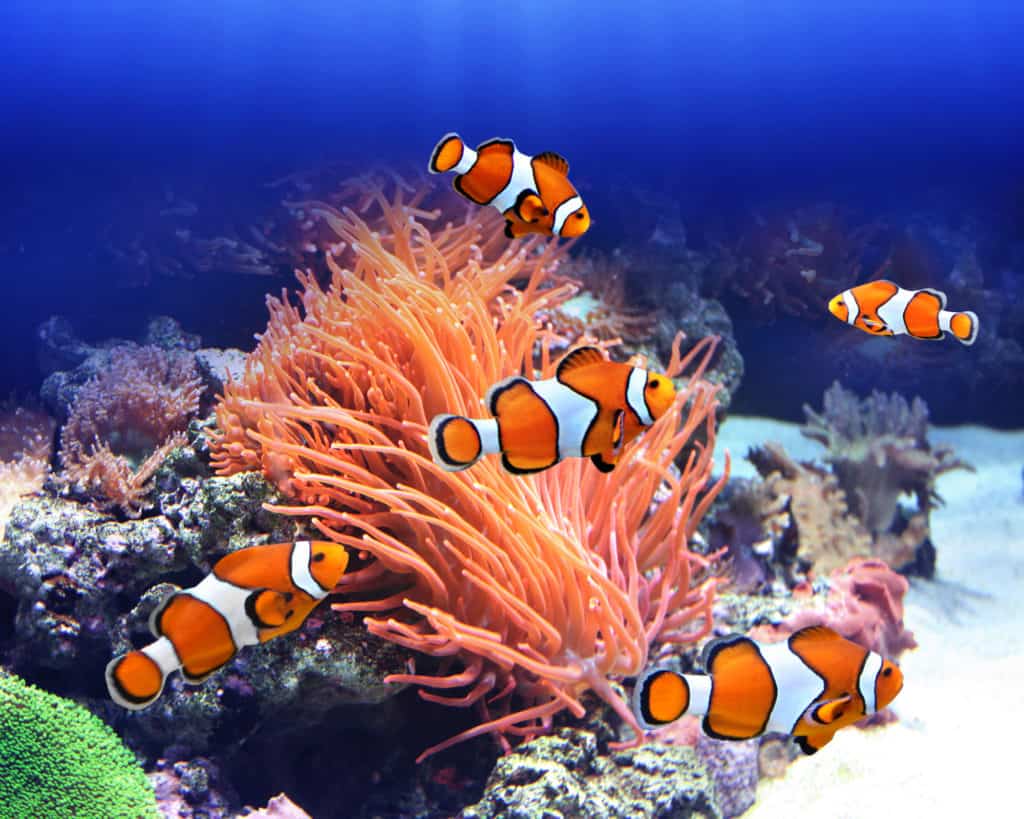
(529, 206)
(267, 608)
(580, 357)
(554, 161)
(717, 653)
(814, 634)
(496, 146)
(828, 711)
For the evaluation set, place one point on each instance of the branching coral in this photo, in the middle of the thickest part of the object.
(125, 421)
(531, 590)
(879, 449)
(26, 444)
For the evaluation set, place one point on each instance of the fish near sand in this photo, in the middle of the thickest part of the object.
(808, 686)
(534, 194)
(251, 596)
(883, 308)
(592, 408)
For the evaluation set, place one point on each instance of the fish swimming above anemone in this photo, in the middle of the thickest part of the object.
(592, 408)
(809, 686)
(251, 596)
(883, 308)
(534, 194)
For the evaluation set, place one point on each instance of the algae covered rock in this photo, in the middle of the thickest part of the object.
(58, 759)
(566, 775)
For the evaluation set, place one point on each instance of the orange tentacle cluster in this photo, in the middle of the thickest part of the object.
(533, 589)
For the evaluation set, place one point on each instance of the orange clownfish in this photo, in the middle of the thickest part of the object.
(251, 596)
(592, 408)
(534, 194)
(809, 686)
(885, 309)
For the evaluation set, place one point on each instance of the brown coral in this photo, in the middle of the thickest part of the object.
(530, 590)
(124, 422)
(878, 448)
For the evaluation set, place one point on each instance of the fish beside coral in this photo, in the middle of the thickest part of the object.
(251, 596)
(592, 408)
(810, 686)
(534, 194)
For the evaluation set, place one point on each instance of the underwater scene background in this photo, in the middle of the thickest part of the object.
(240, 312)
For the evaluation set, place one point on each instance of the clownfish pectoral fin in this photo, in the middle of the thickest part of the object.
(447, 154)
(604, 461)
(812, 744)
(618, 431)
(529, 206)
(827, 712)
(554, 161)
(580, 357)
(514, 228)
(267, 608)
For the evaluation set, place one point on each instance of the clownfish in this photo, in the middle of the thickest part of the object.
(885, 309)
(534, 194)
(592, 408)
(251, 596)
(808, 686)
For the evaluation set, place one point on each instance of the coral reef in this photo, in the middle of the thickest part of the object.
(26, 446)
(566, 775)
(733, 767)
(470, 567)
(864, 603)
(124, 422)
(57, 759)
(878, 449)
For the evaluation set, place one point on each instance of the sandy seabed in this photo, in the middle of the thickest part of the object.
(956, 750)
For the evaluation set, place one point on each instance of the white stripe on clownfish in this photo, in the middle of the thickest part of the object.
(852, 308)
(228, 600)
(635, 396)
(301, 576)
(522, 179)
(866, 682)
(466, 161)
(891, 313)
(574, 412)
(563, 212)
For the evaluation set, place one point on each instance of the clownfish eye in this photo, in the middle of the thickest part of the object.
(653, 384)
(579, 214)
(318, 557)
(887, 672)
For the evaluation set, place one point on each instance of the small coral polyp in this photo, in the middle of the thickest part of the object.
(531, 590)
(124, 422)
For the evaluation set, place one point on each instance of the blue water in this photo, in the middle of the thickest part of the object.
(715, 103)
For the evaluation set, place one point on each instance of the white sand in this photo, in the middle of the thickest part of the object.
(956, 751)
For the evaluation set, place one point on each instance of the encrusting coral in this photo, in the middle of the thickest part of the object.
(124, 422)
(531, 590)
(26, 444)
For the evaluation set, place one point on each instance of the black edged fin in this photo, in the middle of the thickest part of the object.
(529, 206)
(580, 357)
(461, 191)
(554, 161)
(508, 229)
(524, 470)
(811, 632)
(804, 744)
(256, 608)
(497, 145)
(825, 713)
(193, 679)
(601, 463)
(713, 649)
(931, 291)
(495, 393)
(435, 156)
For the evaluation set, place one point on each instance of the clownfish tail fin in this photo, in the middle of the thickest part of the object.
(455, 442)
(660, 696)
(964, 327)
(447, 153)
(136, 679)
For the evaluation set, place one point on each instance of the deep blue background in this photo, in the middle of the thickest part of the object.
(722, 99)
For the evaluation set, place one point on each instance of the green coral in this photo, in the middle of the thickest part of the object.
(58, 759)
